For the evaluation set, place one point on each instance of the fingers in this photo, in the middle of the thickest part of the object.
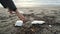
(11, 12)
(20, 16)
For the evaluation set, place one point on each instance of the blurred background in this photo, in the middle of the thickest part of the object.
(36, 3)
(47, 10)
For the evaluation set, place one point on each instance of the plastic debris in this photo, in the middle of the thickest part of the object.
(37, 22)
(19, 23)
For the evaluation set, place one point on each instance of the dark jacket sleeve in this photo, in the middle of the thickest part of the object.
(8, 4)
(4, 4)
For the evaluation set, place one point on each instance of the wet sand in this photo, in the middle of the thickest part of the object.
(50, 15)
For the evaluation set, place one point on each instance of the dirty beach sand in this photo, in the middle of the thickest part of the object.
(50, 15)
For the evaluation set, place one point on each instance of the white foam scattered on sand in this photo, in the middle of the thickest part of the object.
(37, 22)
(19, 23)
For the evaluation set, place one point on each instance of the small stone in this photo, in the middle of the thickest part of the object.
(50, 25)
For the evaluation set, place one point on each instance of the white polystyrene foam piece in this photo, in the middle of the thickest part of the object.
(37, 22)
(19, 23)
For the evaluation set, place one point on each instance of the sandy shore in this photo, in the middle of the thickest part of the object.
(50, 15)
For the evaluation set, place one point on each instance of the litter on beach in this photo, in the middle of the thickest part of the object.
(19, 23)
(37, 22)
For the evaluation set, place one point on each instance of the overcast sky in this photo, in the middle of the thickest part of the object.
(29, 3)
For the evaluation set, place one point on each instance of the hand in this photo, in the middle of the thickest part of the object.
(21, 16)
(11, 12)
